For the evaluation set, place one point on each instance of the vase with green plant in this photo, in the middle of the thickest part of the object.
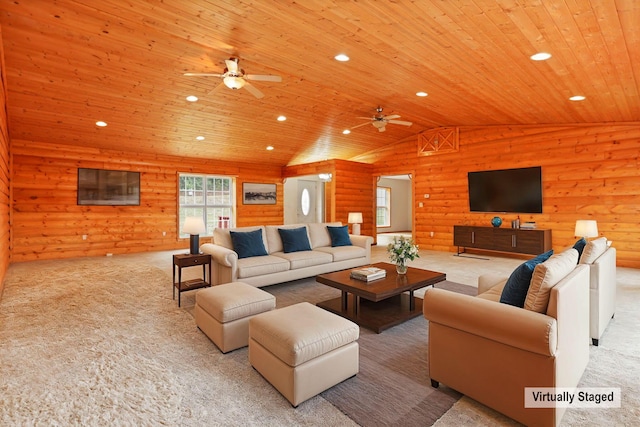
(401, 251)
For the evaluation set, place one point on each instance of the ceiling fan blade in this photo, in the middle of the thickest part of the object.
(264, 78)
(232, 64)
(203, 75)
(215, 89)
(357, 126)
(391, 117)
(366, 118)
(400, 122)
(253, 90)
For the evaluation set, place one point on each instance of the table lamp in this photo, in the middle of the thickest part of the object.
(586, 228)
(355, 219)
(194, 226)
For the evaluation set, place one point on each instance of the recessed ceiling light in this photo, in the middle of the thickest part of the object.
(281, 118)
(346, 131)
(101, 124)
(200, 138)
(269, 147)
(421, 94)
(341, 57)
(192, 98)
(578, 98)
(540, 56)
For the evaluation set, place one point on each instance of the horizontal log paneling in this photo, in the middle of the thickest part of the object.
(588, 172)
(48, 223)
(5, 173)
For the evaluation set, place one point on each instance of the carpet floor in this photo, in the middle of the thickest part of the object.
(99, 341)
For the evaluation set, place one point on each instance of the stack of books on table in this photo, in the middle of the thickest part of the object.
(528, 225)
(368, 274)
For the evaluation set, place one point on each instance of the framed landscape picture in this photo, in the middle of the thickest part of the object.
(258, 194)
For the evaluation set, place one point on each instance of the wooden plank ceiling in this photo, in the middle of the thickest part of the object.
(70, 63)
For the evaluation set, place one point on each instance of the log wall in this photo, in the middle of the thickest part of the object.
(48, 223)
(5, 173)
(588, 172)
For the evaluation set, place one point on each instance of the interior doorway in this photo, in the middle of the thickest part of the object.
(399, 207)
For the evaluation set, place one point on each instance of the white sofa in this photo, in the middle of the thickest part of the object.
(600, 256)
(278, 266)
(491, 351)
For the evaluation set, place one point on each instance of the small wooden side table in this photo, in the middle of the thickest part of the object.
(181, 261)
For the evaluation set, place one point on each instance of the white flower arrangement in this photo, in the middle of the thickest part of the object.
(402, 250)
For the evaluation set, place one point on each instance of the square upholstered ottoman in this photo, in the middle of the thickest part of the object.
(303, 350)
(223, 312)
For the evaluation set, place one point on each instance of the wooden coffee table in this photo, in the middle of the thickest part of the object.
(379, 304)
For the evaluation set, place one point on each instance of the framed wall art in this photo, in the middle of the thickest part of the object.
(258, 194)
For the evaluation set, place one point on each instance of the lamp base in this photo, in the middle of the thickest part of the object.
(194, 242)
(355, 229)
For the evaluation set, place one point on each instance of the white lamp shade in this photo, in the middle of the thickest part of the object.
(194, 225)
(355, 218)
(586, 228)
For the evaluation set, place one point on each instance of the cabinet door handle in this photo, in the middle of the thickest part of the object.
(513, 241)
(473, 237)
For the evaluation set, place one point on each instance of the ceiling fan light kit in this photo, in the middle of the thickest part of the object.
(379, 121)
(233, 82)
(235, 78)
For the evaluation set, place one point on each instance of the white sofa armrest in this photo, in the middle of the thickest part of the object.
(362, 241)
(225, 263)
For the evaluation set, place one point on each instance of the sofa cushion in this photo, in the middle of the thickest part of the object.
(546, 275)
(341, 253)
(339, 235)
(261, 265)
(319, 235)
(515, 290)
(302, 259)
(593, 250)
(294, 239)
(248, 244)
(579, 245)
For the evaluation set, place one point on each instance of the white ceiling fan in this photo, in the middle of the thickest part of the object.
(379, 121)
(234, 77)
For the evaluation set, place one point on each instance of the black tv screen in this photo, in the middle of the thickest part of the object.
(506, 190)
(108, 187)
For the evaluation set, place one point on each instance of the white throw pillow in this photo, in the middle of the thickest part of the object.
(545, 276)
(593, 250)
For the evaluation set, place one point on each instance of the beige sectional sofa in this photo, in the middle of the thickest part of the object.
(491, 351)
(278, 266)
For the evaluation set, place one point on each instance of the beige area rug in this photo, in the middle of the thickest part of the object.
(99, 341)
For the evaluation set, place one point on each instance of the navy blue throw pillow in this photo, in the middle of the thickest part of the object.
(579, 246)
(517, 286)
(248, 244)
(294, 239)
(339, 235)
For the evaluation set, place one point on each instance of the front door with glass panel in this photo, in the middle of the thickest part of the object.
(307, 202)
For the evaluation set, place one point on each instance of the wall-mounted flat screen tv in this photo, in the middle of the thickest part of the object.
(506, 190)
(108, 187)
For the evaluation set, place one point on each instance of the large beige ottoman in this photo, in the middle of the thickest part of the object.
(223, 312)
(303, 350)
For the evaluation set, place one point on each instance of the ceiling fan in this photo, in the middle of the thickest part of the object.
(379, 121)
(234, 77)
